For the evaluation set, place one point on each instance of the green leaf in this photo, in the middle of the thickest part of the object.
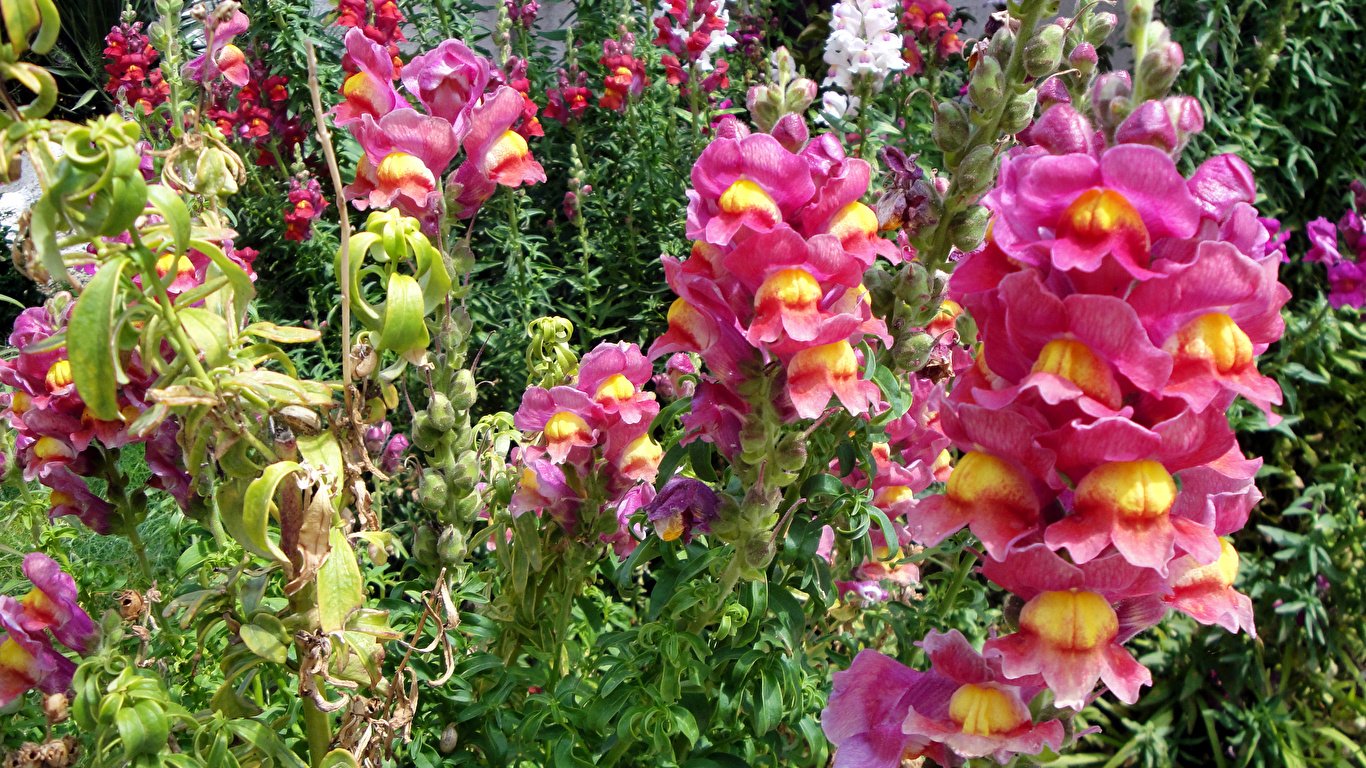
(90, 341)
(253, 533)
(404, 329)
(339, 758)
(892, 390)
(340, 589)
(43, 232)
(173, 211)
(209, 332)
(243, 290)
(266, 637)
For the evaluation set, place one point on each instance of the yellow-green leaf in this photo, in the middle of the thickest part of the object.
(404, 328)
(255, 518)
(90, 341)
(339, 584)
(286, 334)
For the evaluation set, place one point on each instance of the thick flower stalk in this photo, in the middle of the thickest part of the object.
(1122, 308)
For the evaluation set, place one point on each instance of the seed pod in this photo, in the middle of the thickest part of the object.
(464, 472)
(1020, 112)
(969, 228)
(912, 352)
(977, 172)
(987, 85)
(463, 391)
(1159, 68)
(451, 547)
(449, 738)
(1002, 43)
(759, 552)
(1043, 52)
(432, 494)
(424, 545)
(950, 131)
(441, 412)
(466, 508)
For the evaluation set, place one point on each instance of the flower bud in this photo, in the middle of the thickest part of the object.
(463, 390)
(880, 284)
(913, 283)
(765, 106)
(977, 172)
(799, 95)
(969, 228)
(452, 547)
(1051, 93)
(1020, 112)
(464, 472)
(1002, 43)
(1102, 24)
(466, 508)
(1149, 124)
(1084, 59)
(988, 83)
(1159, 68)
(791, 454)
(950, 131)
(912, 352)
(424, 545)
(965, 328)
(781, 65)
(1043, 52)
(1062, 130)
(441, 412)
(432, 493)
(1110, 99)
(759, 552)
(791, 132)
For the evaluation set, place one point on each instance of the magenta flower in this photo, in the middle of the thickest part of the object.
(370, 91)
(568, 418)
(1323, 240)
(684, 507)
(1206, 593)
(817, 373)
(835, 209)
(715, 416)
(613, 374)
(864, 714)
(628, 536)
(406, 154)
(861, 593)
(165, 458)
(71, 496)
(26, 661)
(543, 488)
(1347, 285)
(391, 460)
(223, 58)
(745, 185)
(51, 604)
(448, 80)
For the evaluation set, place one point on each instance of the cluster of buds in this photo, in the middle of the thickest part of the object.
(625, 74)
(779, 107)
(407, 152)
(578, 190)
(380, 21)
(1123, 308)
(522, 14)
(694, 31)
(133, 77)
(930, 39)
(306, 204)
(27, 658)
(60, 442)
(591, 449)
(862, 51)
(257, 111)
(1346, 274)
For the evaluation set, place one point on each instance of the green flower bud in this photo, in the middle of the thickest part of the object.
(1043, 52)
(432, 493)
(1102, 24)
(765, 105)
(423, 435)
(1020, 112)
(791, 453)
(800, 93)
(977, 172)
(950, 131)
(1159, 68)
(441, 413)
(759, 552)
(464, 473)
(463, 390)
(466, 508)
(966, 328)
(424, 545)
(988, 84)
(451, 547)
(912, 352)
(213, 175)
(913, 283)
(880, 284)
(969, 228)
(1002, 44)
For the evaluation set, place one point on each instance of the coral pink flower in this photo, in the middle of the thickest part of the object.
(447, 80)
(370, 90)
(1206, 593)
(51, 604)
(568, 418)
(989, 494)
(612, 374)
(745, 185)
(816, 373)
(494, 153)
(224, 58)
(1128, 503)
(406, 154)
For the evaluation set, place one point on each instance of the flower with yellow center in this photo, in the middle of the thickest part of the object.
(854, 220)
(51, 448)
(182, 265)
(744, 196)
(641, 458)
(1132, 490)
(616, 387)
(508, 150)
(407, 174)
(1074, 361)
(565, 426)
(58, 376)
(690, 327)
(1219, 574)
(1070, 621)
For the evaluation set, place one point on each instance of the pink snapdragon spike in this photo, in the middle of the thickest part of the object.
(27, 661)
(1206, 593)
(447, 80)
(370, 91)
(985, 714)
(51, 604)
(745, 185)
(224, 59)
(863, 716)
(494, 153)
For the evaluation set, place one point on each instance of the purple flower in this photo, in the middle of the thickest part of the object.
(377, 435)
(626, 537)
(1323, 236)
(164, 456)
(1347, 284)
(71, 496)
(684, 506)
(27, 661)
(52, 604)
(392, 458)
(865, 711)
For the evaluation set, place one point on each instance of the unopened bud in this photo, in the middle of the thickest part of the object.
(977, 172)
(1051, 93)
(969, 228)
(950, 131)
(1043, 52)
(1002, 43)
(451, 547)
(765, 106)
(212, 176)
(799, 95)
(432, 493)
(988, 83)
(1110, 99)
(1020, 112)
(424, 545)
(1159, 68)
(1102, 24)
(965, 328)
(442, 413)
(1083, 58)
(782, 66)
(464, 472)
(791, 132)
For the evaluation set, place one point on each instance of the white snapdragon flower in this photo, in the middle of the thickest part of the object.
(862, 42)
(839, 105)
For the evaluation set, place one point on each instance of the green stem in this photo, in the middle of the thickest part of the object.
(514, 229)
(140, 550)
(318, 727)
(960, 574)
(147, 264)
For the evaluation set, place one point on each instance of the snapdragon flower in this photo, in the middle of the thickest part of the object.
(862, 44)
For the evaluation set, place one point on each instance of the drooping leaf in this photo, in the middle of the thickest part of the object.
(90, 341)
(339, 584)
